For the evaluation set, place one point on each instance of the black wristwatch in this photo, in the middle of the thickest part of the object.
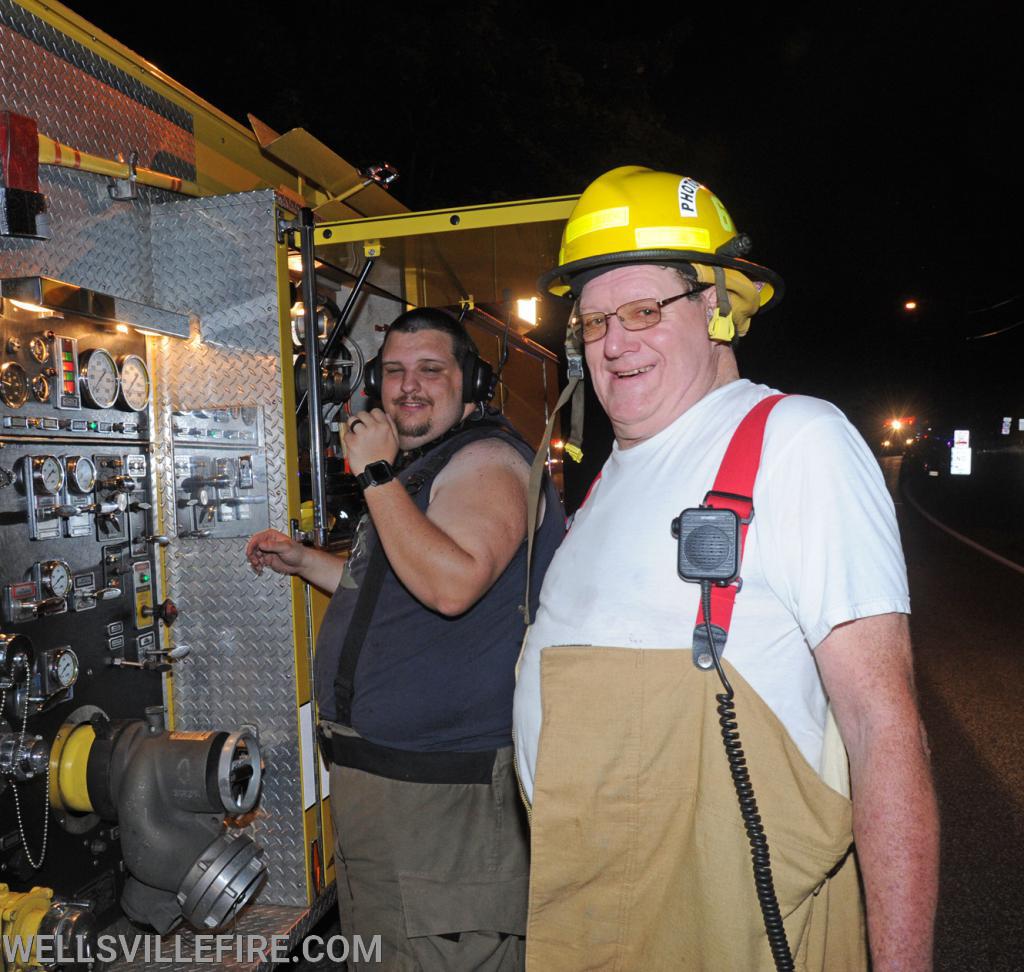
(376, 474)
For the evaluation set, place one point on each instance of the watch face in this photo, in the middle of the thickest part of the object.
(378, 473)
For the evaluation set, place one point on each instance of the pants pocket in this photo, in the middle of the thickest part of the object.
(465, 921)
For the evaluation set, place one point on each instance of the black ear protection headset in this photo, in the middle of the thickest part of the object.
(478, 382)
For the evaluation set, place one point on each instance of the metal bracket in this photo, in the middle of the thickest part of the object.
(575, 360)
(126, 189)
(702, 657)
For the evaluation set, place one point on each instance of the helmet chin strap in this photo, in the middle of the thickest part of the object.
(721, 326)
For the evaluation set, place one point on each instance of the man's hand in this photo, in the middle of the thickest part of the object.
(369, 437)
(271, 548)
(867, 671)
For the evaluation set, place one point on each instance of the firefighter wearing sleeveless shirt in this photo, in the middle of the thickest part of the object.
(430, 838)
(640, 859)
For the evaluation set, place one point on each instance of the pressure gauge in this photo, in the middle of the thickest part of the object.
(63, 667)
(13, 385)
(99, 381)
(56, 577)
(81, 473)
(40, 349)
(47, 474)
(135, 384)
(41, 388)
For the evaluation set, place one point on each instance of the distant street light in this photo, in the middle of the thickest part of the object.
(910, 305)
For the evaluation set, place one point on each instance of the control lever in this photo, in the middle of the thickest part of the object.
(158, 538)
(195, 483)
(100, 509)
(68, 510)
(48, 605)
(119, 484)
(140, 507)
(149, 665)
(200, 534)
(103, 594)
(174, 654)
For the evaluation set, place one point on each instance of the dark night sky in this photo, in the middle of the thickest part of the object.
(867, 151)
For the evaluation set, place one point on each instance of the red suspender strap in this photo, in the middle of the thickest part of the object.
(734, 490)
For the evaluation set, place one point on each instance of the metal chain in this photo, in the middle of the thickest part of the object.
(46, 792)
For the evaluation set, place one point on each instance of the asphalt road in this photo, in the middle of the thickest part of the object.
(969, 649)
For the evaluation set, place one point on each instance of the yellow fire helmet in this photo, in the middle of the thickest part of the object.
(633, 214)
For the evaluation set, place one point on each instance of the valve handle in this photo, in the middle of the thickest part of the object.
(166, 611)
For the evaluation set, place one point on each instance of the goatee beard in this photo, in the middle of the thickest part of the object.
(412, 431)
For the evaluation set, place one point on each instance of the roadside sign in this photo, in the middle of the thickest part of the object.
(960, 460)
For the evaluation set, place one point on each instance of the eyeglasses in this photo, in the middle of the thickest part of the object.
(637, 315)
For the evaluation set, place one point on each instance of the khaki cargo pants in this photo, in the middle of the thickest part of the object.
(640, 861)
(439, 870)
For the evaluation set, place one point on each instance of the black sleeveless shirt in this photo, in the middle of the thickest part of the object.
(426, 682)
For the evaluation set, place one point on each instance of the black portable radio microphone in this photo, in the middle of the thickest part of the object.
(708, 553)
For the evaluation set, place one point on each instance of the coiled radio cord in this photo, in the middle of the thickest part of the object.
(760, 857)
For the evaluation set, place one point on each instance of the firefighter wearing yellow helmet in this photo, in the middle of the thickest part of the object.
(700, 671)
(634, 215)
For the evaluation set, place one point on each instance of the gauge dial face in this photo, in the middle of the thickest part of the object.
(135, 384)
(39, 348)
(100, 384)
(56, 577)
(65, 667)
(82, 473)
(41, 388)
(13, 385)
(48, 474)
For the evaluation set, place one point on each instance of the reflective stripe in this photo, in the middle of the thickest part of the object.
(659, 237)
(602, 219)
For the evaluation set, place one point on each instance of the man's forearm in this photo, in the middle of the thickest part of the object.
(896, 830)
(321, 569)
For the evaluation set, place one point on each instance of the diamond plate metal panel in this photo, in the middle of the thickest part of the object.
(215, 258)
(80, 99)
(256, 924)
(95, 243)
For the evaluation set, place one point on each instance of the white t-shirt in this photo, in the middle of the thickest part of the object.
(823, 548)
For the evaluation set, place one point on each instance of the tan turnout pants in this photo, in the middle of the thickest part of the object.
(640, 861)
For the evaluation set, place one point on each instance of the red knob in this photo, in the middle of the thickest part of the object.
(166, 611)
